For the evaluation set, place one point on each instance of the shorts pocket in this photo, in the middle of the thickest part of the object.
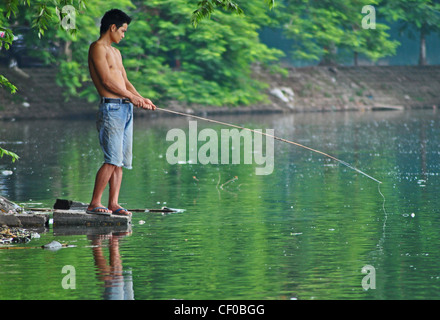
(115, 118)
(114, 107)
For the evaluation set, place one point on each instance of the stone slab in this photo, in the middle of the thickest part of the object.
(24, 220)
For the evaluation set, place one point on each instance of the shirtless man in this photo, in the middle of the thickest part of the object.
(115, 115)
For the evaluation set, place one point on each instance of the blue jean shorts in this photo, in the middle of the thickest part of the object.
(114, 122)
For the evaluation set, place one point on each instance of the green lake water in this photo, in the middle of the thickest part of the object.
(303, 232)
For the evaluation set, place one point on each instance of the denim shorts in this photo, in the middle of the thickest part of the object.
(114, 122)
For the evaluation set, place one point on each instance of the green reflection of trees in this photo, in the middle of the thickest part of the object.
(305, 231)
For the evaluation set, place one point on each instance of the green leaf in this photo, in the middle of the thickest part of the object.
(11, 154)
(5, 82)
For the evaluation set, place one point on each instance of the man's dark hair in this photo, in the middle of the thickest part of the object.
(113, 16)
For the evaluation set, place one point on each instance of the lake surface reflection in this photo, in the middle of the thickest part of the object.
(303, 232)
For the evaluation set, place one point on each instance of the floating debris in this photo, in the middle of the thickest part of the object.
(166, 210)
(16, 235)
(54, 245)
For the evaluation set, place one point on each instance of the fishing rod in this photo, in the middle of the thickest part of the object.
(271, 136)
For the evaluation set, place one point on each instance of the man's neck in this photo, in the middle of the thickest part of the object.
(105, 39)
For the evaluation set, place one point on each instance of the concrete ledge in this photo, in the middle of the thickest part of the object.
(80, 218)
(24, 220)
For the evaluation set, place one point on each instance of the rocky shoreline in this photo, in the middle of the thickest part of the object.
(11, 229)
(68, 217)
(307, 89)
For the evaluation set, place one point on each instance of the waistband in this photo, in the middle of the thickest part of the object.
(115, 100)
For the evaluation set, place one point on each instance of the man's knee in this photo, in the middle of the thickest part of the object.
(108, 167)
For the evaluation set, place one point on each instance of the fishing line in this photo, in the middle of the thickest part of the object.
(384, 211)
(383, 204)
(276, 138)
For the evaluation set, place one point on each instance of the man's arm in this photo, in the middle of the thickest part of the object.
(148, 104)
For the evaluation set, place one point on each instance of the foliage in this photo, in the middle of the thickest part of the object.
(166, 58)
(206, 7)
(38, 15)
(207, 65)
(73, 74)
(421, 15)
(324, 30)
(6, 39)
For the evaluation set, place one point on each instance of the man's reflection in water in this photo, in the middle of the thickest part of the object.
(117, 282)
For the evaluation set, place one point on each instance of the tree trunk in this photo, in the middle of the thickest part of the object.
(355, 58)
(329, 57)
(422, 52)
(68, 50)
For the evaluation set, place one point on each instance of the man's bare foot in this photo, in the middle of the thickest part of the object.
(121, 211)
(98, 209)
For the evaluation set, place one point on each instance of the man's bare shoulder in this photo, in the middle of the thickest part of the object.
(97, 47)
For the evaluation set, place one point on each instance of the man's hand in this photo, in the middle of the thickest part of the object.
(149, 105)
(137, 101)
(143, 103)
